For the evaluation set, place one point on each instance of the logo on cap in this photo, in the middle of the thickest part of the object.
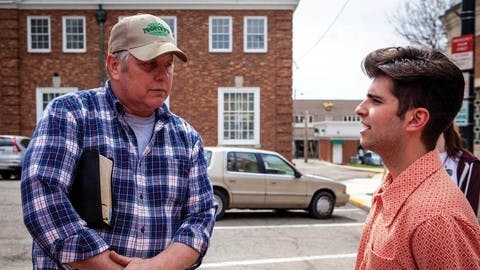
(156, 29)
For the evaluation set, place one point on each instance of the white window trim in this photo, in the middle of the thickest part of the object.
(48, 90)
(256, 118)
(29, 35)
(64, 34)
(174, 18)
(230, 40)
(265, 33)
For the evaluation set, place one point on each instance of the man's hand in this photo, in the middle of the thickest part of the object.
(177, 256)
(99, 261)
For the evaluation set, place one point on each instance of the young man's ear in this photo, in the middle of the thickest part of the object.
(113, 66)
(416, 119)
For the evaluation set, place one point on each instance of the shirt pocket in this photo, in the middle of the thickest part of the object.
(171, 187)
(382, 259)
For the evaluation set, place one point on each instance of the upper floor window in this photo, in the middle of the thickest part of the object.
(351, 118)
(74, 35)
(172, 22)
(255, 34)
(301, 118)
(38, 33)
(239, 116)
(220, 34)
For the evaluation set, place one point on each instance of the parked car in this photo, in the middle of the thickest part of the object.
(12, 151)
(372, 158)
(247, 178)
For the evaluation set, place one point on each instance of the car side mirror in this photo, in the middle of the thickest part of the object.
(298, 174)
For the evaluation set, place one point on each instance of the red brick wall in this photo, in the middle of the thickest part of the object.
(9, 77)
(194, 95)
(349, 150)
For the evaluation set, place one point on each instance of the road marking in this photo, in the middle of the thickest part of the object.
(347, 210)
(277, 260)
(288, 226)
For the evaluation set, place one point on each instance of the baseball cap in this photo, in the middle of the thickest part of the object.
(145, 36)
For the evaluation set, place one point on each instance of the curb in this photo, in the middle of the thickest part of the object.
(359, 203)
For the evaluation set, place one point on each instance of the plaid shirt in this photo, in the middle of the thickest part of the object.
(161, 196)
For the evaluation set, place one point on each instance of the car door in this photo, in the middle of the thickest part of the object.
(284, 190)
(244, 180)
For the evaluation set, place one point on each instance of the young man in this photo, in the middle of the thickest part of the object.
(163, 209)
(419, 219)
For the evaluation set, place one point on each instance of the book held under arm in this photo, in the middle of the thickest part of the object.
(91, 193)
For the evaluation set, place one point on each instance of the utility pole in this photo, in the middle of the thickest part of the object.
(467, 16)
(305, 140)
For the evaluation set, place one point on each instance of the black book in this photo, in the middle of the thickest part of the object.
(91, 194)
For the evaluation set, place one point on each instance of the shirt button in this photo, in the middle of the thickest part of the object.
(142, 229)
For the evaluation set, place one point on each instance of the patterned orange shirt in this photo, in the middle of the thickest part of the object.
(420, 220)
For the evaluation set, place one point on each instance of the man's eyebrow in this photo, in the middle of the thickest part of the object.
(373, 96)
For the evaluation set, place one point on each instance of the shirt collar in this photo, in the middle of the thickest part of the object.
(396, 191)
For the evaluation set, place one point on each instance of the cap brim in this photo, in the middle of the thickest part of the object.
(152, 50)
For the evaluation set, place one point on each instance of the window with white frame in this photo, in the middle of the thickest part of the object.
(220, 34)
(255, 34)
(38, 28)
(172, 22)
(45, 94)
(239, 116)
(74, 35)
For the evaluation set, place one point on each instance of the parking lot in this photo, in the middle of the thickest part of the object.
(242, 240)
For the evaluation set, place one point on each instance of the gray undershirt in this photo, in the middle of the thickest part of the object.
(143, 129)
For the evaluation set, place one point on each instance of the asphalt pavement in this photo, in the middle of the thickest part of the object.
(360, 189)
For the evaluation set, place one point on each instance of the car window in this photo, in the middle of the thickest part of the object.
(242, 162)
(275, 165)
(208, 156)
(25, 142)
(6, 141)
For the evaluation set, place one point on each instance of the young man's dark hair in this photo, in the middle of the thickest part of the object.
(421, 78)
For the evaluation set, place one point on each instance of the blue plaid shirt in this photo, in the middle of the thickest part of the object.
(160, 196)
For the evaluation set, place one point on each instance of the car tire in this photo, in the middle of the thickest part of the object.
(322, 205)
(222, 202)
(6, 175)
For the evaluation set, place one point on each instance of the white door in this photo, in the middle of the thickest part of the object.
(337, 153)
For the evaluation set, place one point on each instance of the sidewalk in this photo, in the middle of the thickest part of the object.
(360, 189)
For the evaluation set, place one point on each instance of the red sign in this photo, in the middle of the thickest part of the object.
(462, 44)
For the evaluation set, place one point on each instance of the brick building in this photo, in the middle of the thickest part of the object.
(236, 88)
(332, 129)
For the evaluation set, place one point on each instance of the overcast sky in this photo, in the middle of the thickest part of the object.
(327, 62)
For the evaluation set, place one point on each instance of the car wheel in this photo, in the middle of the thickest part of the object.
(322, 205)
(221, 200)
(6, 175)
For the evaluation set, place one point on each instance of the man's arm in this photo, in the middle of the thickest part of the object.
(446, 243)
(99, 261)
(47, 172)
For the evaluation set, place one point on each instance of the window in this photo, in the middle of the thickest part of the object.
(275, 165)
(46, 94)
(172, 22)
(74, 37)
(38, 33)
(242, 162)
(238, 116)
(220, 34)
(255, 34)
(351, 118)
